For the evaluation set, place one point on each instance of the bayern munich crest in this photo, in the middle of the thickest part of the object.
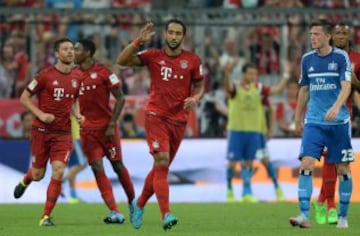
(183, 64)
(93, 75)
(74, 83)
(155, 144)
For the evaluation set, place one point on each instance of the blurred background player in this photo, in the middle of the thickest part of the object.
(51, 129)
(99, 131)
(246, 123)
(324, 205)
(325, 87)
(26, 119)
(77, 161)
(263, 154)
(129, 128)
(176, 87)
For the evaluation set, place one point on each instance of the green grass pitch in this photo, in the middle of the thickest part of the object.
(195, 219)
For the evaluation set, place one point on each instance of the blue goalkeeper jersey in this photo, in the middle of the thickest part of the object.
(323, 76)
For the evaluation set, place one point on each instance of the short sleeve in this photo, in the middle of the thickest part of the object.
(265, 92)
(146, 56)
(304, 79)
(37, 84)
(357, 70)
(111, 79)
(345, 67)
(198, 70)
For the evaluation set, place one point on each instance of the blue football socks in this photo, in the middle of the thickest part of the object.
(246, 174)
(345, 191)
(229, 176)
(305, 188)
(272, 173)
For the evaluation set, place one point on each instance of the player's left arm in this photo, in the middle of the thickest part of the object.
(341, 99)
(76, 111)
(282, 84)
(119, 104)
(197, 79)
(345, 78)
(355, 83)
(272, 120)
(197, 92)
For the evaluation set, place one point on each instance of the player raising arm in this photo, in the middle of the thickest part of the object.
(176, 87)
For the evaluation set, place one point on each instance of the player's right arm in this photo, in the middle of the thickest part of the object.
(284, 81)
(76, 112)
(229, 85)
(355, 82)
(26, 100)
(128, 57)
(302, 101)
(303, 98)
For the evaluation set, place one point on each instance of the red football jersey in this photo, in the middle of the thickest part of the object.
(355, 65)
(355, 62)
(171, 81)
(56, 93)
(95, 95)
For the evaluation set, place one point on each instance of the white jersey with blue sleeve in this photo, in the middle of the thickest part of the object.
(323, 75)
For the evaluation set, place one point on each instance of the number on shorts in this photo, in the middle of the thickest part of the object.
(347, 155)
(67, 157)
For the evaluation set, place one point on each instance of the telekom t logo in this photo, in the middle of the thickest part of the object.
(58, 93)
(165, 73)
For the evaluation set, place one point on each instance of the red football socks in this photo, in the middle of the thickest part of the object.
(126, 183)
(53, 192)
(106, 191)
(28, 177)
(148, 189)
(161, 187)
(327, 192)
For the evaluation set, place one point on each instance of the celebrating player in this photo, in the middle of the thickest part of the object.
(176, 87)
(99, 131)
(56, 88)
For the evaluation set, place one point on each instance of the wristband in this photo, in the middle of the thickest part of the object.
(136, 43)
(286, 75)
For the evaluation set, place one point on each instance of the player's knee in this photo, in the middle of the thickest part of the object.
(343, 169)
(38, 174)
(162, 158)
(247, 164)
(117, 166)
(265, 161)
(232, 164)
(58, 172)
(97, 166)
(307, 163)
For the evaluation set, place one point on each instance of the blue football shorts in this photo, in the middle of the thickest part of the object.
(77, 156)
(263, 151)
(243, 145)
(335, 138)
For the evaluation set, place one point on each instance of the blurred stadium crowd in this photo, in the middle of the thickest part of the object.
(270, 47)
